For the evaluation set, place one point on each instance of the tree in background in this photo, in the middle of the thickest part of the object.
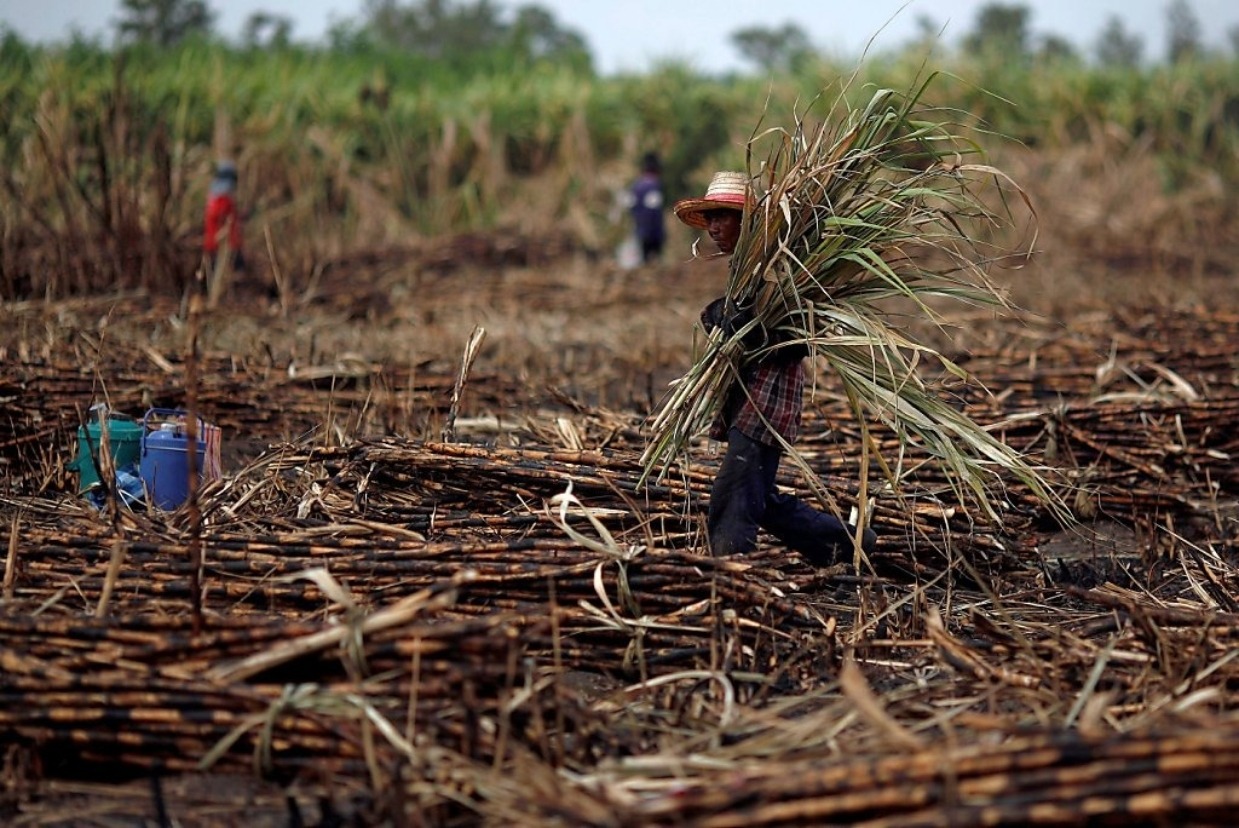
(1116, 47)
(434, 28)
(1182, 32)
(463, 33)
(266, 30)
(537, 34)
(1057, 49)
(14, 52)
(928, 33)
(773, 50)
(164, 22)
(1001, 32)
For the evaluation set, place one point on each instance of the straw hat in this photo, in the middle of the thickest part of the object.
(727, 191)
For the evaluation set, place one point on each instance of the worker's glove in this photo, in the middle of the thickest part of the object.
(723, 314)
(714, 313)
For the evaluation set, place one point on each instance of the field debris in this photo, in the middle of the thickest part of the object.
(508, 629)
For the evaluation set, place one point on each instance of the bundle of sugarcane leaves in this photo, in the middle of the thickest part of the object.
(870, 205)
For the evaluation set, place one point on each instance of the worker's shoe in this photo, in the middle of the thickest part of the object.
(840, 548)
(868, 541)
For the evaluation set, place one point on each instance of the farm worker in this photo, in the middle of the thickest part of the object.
(223, 220)
(744, 496)
(646, 200)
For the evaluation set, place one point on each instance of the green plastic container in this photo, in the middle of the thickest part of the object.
(124, 438)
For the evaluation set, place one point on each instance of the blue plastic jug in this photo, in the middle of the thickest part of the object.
(165, 460)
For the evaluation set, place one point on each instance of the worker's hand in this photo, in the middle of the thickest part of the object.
(722, 314)
(726, 316)
(714, 314)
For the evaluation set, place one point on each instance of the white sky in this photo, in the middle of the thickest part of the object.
(628, 34)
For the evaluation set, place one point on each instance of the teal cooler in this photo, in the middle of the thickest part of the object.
(165, 459)
(124, 439)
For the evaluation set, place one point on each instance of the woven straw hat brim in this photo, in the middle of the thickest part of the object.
(692, 211)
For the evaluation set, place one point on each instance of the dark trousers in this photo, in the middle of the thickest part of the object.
(651, 250)
(744, 498)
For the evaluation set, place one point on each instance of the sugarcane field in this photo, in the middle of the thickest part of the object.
(401, 519)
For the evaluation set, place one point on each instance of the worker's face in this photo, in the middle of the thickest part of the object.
(724, 228)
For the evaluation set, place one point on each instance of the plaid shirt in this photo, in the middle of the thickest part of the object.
(775, 397)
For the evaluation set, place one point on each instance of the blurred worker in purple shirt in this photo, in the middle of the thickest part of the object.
(647, 209)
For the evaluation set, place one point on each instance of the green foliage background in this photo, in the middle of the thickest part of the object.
(361, 144)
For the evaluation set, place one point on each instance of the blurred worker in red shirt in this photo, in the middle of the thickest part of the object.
(223, 219)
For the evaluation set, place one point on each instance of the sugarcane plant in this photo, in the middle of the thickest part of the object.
(871, 204)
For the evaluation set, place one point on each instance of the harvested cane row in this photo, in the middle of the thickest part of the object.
(42, 405)
(1055, 780)
(1173, 358)
(431, 488)
(292, 693)
(141, 688)
(1118, 459)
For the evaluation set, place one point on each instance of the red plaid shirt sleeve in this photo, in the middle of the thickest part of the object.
(772, 405)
